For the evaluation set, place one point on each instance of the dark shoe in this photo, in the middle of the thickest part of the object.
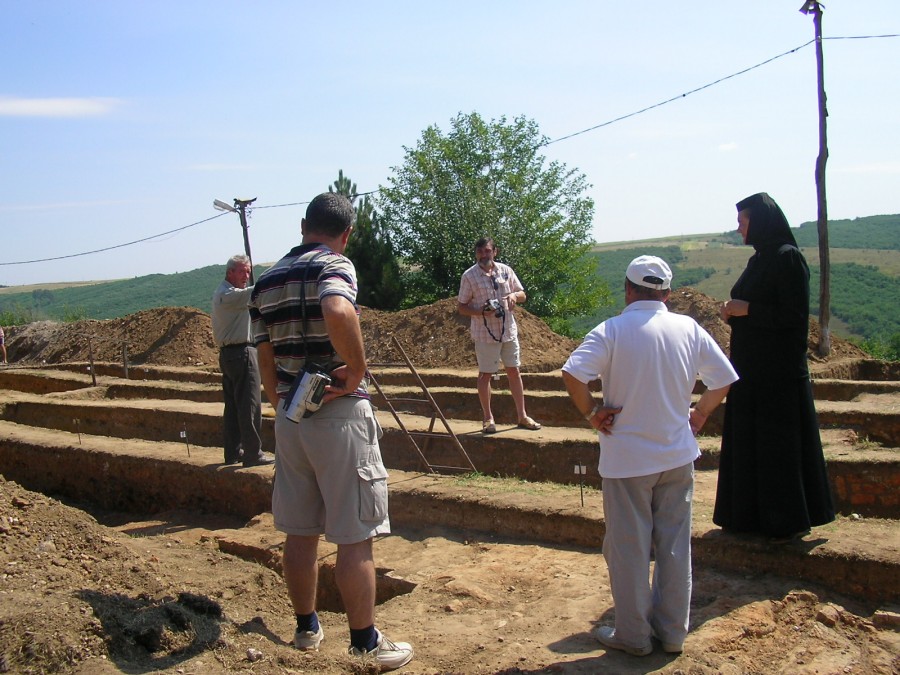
(488, 427)
(263, 459)
(788, 538)
(235, 460)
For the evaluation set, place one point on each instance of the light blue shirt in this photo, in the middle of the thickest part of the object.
(230, 315)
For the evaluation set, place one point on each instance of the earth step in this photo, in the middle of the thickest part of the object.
(865, 476)
(872, 409)
(855, 556)
(70, 374)
(111, 385)
(208, 375)
(823, 389)
(873, 415)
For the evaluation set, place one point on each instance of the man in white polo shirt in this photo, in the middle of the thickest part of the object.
(648, 360)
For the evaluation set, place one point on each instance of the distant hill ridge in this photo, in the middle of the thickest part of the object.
(871, 232)
(865, 255)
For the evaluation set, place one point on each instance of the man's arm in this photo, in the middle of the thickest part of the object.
(346, 338)
(517, 295)
(265, 354)
(709, 401)
(598, 416)
(515, 298)
(235, 297)
(467, 310)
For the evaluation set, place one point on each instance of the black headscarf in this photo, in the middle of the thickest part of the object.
(768, 226)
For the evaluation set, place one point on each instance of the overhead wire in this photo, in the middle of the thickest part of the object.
(543, 144)
(110, 248)
(675, 98)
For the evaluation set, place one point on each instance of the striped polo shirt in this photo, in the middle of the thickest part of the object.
(313, 272)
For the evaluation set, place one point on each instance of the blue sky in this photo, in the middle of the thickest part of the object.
(123, 120)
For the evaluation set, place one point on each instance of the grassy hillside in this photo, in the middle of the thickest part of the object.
(865, 258)
(116, 298)
(865, 265)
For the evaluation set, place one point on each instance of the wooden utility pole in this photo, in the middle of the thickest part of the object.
(815, 8)
(241, 205)
(240, 208)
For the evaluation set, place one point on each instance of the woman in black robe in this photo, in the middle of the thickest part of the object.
(772, 476)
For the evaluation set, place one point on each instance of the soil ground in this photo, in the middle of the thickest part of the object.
(89, 592)
(110, 592)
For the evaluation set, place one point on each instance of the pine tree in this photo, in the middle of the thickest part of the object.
(370, 249)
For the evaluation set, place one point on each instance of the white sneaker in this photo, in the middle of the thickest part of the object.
(606, 635)
(669, 647)
(306, 639)
(387, 655)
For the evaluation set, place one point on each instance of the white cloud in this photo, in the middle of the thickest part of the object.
(56, 107)
(728, 147)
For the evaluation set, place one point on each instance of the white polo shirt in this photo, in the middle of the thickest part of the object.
(648, 360)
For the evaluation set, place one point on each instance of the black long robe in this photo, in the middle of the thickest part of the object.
(772, 475)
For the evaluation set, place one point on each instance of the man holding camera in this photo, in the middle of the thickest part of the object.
(329, 476)
(488, 293)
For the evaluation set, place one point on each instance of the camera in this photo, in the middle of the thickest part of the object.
(493, 305)
(306, 393)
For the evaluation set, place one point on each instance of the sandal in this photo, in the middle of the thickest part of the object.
(488, 427)
(529, 424)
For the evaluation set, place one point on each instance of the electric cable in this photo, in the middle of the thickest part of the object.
(544, 144)
(110, 248)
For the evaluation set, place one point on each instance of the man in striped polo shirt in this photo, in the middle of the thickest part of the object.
(329, 475)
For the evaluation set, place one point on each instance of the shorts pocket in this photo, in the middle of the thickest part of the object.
(373, 493)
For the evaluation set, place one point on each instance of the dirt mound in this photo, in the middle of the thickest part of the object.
(436, 336)
(433, 336)
(705, 311)
(102, 596)
(166, 336)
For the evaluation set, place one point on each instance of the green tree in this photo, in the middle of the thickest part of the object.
(489, 179)
(370, 249)
(886, 348)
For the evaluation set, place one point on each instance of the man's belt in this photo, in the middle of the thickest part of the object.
(236, 345)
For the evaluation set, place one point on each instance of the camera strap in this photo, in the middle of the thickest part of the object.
(490, 332)
(502, 318)
(306, 355)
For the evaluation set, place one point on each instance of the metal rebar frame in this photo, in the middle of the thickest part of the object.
(436, 414)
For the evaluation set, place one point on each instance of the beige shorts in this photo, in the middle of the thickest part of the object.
(329, 477)
(489, 355)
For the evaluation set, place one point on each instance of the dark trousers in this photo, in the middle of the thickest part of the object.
(243, 411)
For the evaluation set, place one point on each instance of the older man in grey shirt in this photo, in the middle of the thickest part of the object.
(239, 366)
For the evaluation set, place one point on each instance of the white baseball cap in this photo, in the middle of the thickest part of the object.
(650, 271)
